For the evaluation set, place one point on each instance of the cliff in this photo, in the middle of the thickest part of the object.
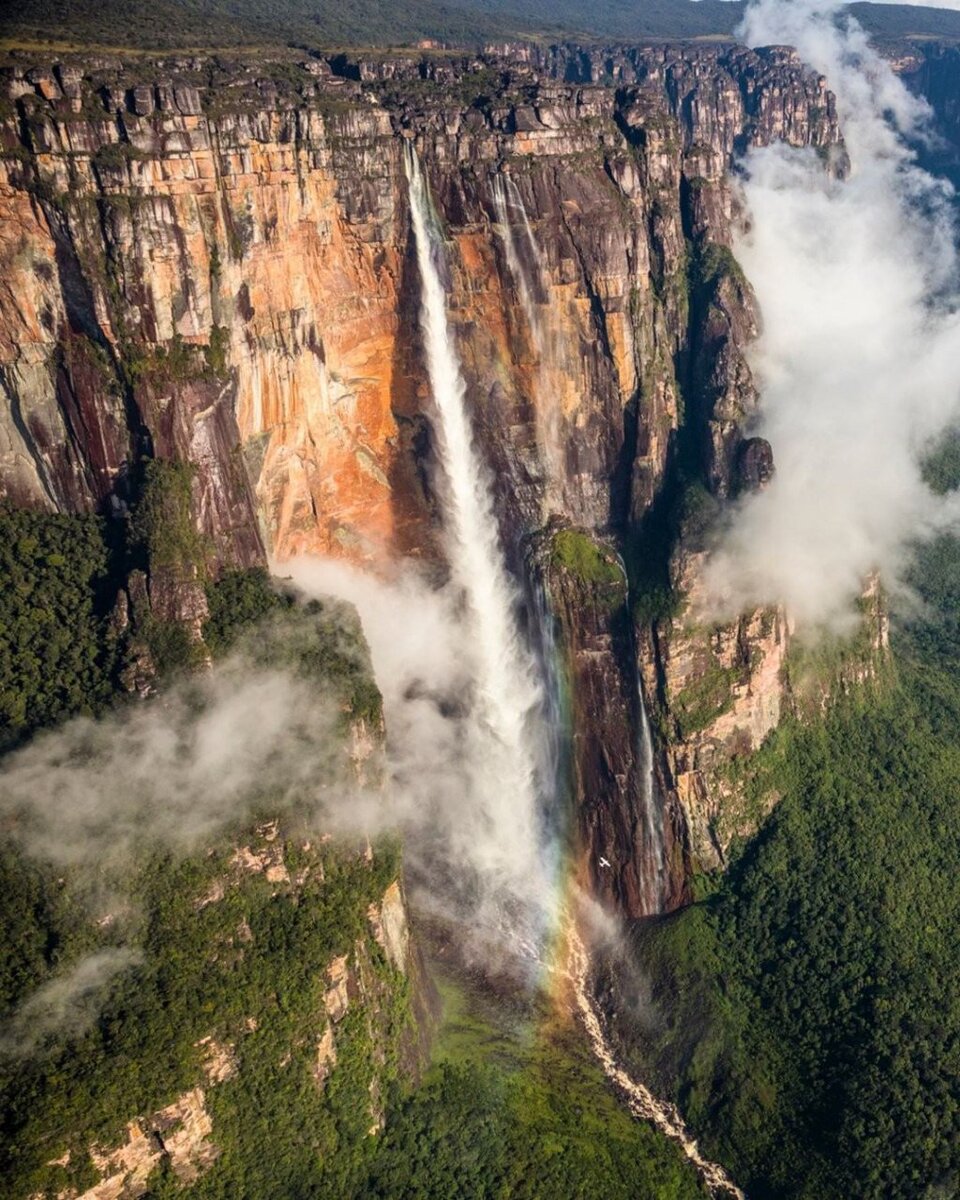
(334, 1060)
(267, 991)
(211, 261)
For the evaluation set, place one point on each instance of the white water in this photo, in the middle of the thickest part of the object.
(507, 698)
(639, 1099)
(521, 248)
(653, 850)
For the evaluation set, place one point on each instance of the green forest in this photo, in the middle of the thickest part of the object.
(196, 947)
(175, 24)
(514, 1106)
(805, 1014)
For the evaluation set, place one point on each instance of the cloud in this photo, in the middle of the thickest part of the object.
(174, 771)
(67, 1005)
(951, 4)
(857, 359)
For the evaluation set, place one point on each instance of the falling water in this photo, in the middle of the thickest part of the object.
(653, 851)
(506, 196)
(521, 248)
(555, 747)
(507, 697)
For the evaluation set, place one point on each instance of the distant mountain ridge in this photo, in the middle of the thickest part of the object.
(178, 24)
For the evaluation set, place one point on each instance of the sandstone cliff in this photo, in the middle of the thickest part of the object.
(211, 261)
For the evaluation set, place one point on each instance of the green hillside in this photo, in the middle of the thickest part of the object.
(197, 23)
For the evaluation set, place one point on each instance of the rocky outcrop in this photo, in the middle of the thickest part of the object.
(722, 689)
(352, 981)
(178, 1135)
(376, 981)
(388, 923)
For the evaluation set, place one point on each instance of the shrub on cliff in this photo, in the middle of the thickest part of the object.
(163, 527)
(577, 553)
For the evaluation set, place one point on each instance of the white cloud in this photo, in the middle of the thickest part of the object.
(67, 1004)
(857, 359)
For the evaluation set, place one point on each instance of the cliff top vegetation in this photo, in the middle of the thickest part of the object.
(183, 24)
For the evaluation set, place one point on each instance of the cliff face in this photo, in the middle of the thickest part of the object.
(931, 71)
(212, 262)
(265, 222)
(360, 1026)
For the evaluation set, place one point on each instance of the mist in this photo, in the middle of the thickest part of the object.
(856, 364)
(173, 772)
(67, 1004)
(474, 859)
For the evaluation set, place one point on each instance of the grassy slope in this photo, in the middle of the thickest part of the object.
(514, 1106)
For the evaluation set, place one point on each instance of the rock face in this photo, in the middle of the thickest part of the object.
(630, 833)
(178, 1134)
(388, 923)
(222, 274)
(181, 1137)
(212, 263)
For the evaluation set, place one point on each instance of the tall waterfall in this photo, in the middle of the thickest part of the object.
(507, 697)
(526, 265)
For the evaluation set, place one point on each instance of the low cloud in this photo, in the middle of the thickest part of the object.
(66, 1005)
(857, 359)
(174, 771)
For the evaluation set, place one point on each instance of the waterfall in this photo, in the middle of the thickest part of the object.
(506, 196)
(555, 744)
(653, 849)
(520, 250)
(507, 698)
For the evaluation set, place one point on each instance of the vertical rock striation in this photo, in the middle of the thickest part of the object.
(212, 262)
